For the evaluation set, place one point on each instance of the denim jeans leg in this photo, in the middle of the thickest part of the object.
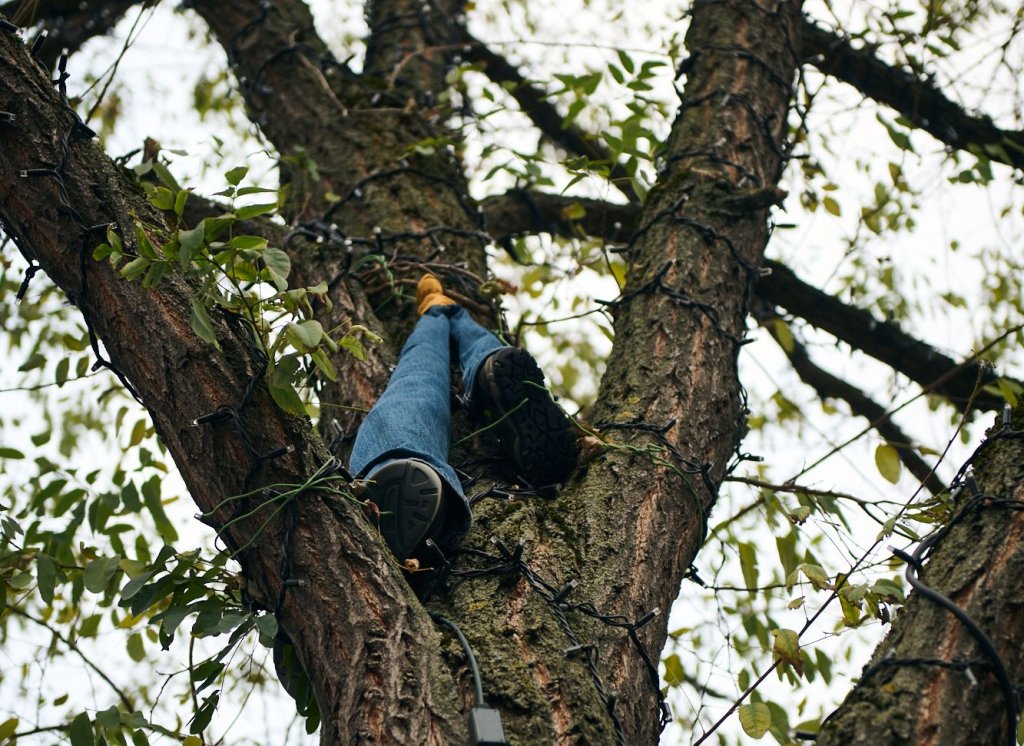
(475, 344)
(412, 418)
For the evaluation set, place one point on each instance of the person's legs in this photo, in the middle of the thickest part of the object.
(475, 344)
(413, 415)
(412, 420)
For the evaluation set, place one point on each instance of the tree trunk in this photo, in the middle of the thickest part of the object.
(628, 524)
(375, 686)
(929, 682)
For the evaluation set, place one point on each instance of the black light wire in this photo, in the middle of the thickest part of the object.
(474, 669)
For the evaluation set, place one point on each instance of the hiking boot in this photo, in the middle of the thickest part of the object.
(410, 495)
(536, 434)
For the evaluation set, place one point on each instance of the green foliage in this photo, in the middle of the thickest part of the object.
(239, 275)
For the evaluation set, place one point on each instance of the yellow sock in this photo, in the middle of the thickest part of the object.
(430, 293)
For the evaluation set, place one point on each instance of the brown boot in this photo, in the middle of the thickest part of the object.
(430, 293)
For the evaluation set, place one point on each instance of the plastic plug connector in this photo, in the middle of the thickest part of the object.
(485, 727)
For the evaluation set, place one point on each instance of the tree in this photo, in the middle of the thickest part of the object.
(212, 314)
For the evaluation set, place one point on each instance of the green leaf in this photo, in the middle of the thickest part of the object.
(815, 574)
(831, 206)
(252, 211)
(108, 718)
(216, 226)
(143, 244)
(35, 360)
(162, 198)
(787, 552)
(783, 334)
(151, 497)
(786, 649)
(800, 514)
(46, 577)
(354, 346)
(136, 649)
(851, 611)
(575, 211)
(253, 190)
(674, 674)
(887, 459)
(99, 572)
(279, 266)
(267, 626)
(748, 564)
(305, 336)
(8, 727)
(235, 175)
(135, 585)
(135, 268)
(201, 324)
(11, 453)
(282, 387)
(324, 365)
(248, 242)
(574, 111)
(755, 719)
(204, 714)
(80, 732)
(90, 626)
(1009, 390)
(626, 61)
(63, 367)
(138, 433)
(165, 176)
(191, 242)
(179, 202)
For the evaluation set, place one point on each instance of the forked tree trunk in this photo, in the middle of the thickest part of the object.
(628, 524)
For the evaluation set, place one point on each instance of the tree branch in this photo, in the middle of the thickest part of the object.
(351, 170)
(881, 340)
(70, 645)
(69, 23)
(916, 677)
(918, 99)
(686, 299)
(411, 46)
(518, 212)
(828, 386)
(533, 102)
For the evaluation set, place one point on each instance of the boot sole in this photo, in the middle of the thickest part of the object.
(535, 431)
(409, 494)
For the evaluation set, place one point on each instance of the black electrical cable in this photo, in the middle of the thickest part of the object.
(474, 669)
(485, 726)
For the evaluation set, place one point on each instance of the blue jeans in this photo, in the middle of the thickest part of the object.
(412, 418)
